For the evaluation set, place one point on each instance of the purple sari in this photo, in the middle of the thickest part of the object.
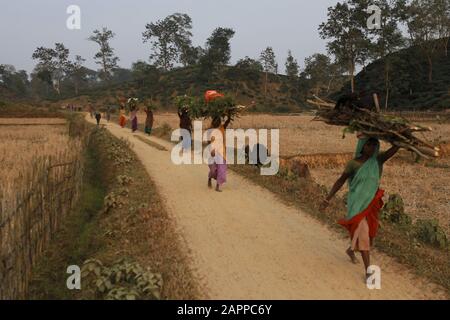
(218, 172)
(134, 121)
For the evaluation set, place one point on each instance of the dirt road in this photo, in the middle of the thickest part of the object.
(246, 244)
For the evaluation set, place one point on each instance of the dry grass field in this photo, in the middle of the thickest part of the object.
(21, 144)
(425, 187)
(299, 134)
(31, 121)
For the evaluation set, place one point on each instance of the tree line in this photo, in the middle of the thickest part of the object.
(350, 44)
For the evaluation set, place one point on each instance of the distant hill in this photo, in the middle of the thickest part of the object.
(247, 86)
(410, 88)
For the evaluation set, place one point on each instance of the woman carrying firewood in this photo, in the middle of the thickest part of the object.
(134, 119)
(149, 120)
(364, 198)
(122, 117)
(186, 124)
(218, 169)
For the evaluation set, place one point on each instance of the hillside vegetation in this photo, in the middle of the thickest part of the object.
(409, 84)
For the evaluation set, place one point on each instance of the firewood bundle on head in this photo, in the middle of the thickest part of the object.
(132, 103)
(396, 130)
(219, 106)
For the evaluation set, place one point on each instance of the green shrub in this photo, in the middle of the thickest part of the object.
(124, 280)
(429, 232)
(394, 211)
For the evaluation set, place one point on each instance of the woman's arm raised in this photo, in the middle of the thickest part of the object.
(385, 156)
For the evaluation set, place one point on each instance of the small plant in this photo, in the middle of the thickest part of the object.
(124, 280)
(124, 192)
(124, 180)
(112, 201)
(287, 174)
(165, 129)
(394, 211)
(429, 232)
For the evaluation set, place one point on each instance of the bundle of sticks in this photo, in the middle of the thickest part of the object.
(396, 130)
(219, 107)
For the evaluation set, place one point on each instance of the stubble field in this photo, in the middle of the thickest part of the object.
(424, 186)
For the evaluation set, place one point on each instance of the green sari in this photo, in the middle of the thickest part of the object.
(364, 184)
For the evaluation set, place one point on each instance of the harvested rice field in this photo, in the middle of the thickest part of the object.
(21, 145)
(424, 187)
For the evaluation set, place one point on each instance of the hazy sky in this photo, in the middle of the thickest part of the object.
(282, 24)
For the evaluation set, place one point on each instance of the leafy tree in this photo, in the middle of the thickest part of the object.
(218, 45)
(15, 81)
(171, 40)
(249, 64)
(53, 64)
(346, 28)
(292, 67)
(146, 77)
(105, 57)
(246, 69)
(62, 65)
(269, 64)
(217, 53)
(443, 23)
(122, 75)
(320, 72)
(422, 18)
(191, 55)
(77, 72)
(387, 39)
(45, 67)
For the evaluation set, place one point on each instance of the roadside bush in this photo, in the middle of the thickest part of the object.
(394, 211)
(429, 232)
(124, 280)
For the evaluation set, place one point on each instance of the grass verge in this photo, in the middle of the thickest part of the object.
(134, 226)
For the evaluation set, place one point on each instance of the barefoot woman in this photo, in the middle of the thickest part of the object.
(218, 169)
(364, 198)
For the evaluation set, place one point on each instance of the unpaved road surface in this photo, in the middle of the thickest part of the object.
(246, 244)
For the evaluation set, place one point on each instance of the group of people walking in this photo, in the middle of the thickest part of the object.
(363, 174)
(134, 119)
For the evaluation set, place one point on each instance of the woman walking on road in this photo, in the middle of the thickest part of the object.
(186, 124)
(134, 119)
(98, 117)
(122, 118)
(364, 198)
(218, 167)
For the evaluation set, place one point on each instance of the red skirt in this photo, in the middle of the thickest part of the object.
(122, 121)
(371, 213)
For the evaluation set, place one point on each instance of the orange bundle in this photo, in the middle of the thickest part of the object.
(210, 95)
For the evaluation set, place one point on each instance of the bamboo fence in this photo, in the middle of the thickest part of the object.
(30, 215)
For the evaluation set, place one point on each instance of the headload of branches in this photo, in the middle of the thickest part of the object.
(396, 130)
(218, 107)
(132, 103)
